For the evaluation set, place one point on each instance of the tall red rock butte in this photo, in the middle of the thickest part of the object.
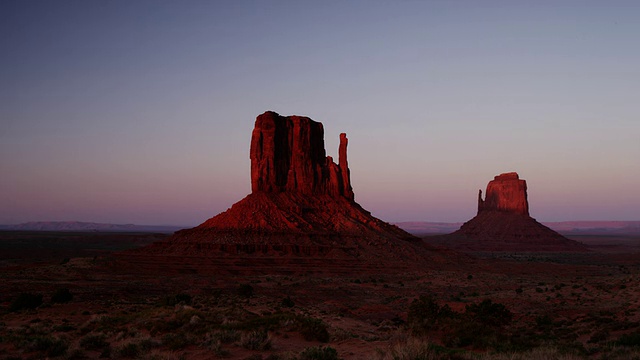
(287, 155)
(503, 222)
(300, 216)
(506, 192)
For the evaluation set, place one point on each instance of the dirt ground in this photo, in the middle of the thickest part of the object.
(582, 305)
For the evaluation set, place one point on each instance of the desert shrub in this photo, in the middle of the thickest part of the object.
(519, 290)
(185, 316)
(105, 324)
(106, 353)
(214, 344)
(173, 300)
(282, 356)
(47, 344)
(412, 349)
(544, 322)
(164, 326)
(127, 332)
(129, 350)
(425, 313)
(245, 290)
(94, 342)
(632, 339)
(481, 325)
(287, 302)
(311, 329)
(61, 296)
(26, 301)
(64, 328)
(598, 336)
(489, 314)
(184, 298)
(464, 333)
(227, 336)
(176, 341)
(267, 322)
(540, 353)
(256, 340)
(319, 353)
(75, 354)
(148, 343)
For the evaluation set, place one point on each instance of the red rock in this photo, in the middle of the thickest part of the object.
(503, 222)
(506, 192)
(301, 205)
(287, 154)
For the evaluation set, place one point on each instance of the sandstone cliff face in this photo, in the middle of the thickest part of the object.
(287, 155)
(506, 192)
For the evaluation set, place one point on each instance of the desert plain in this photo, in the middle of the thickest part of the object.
(561, 306)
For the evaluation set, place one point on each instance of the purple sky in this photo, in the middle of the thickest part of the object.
(141, 111)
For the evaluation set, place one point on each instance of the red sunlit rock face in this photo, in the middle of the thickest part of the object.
(297, 189)
(506, 192)
(287, 155)
(503, 222)
(300, 217)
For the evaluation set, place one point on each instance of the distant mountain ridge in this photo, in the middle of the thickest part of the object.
(413, 227)
(563, 227)
(88, 226)
(597, 227)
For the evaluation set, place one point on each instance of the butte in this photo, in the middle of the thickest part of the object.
(503, 223)
(301, 217)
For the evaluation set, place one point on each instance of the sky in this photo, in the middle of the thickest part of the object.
(141, 111)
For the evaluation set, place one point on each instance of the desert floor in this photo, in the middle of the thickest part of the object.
(494, 306)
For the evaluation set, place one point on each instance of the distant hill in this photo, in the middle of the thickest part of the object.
(596, 227)
(563, 227)
(88, 226)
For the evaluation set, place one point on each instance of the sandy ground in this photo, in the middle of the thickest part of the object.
(590, 300)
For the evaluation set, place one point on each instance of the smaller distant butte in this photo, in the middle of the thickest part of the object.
(506, 193)
(503, 223)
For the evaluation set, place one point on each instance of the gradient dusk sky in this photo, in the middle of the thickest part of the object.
(141, 111)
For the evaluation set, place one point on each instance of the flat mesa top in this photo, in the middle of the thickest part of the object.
(507, 176)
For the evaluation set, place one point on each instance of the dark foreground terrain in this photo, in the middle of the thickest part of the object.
(63, 297)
